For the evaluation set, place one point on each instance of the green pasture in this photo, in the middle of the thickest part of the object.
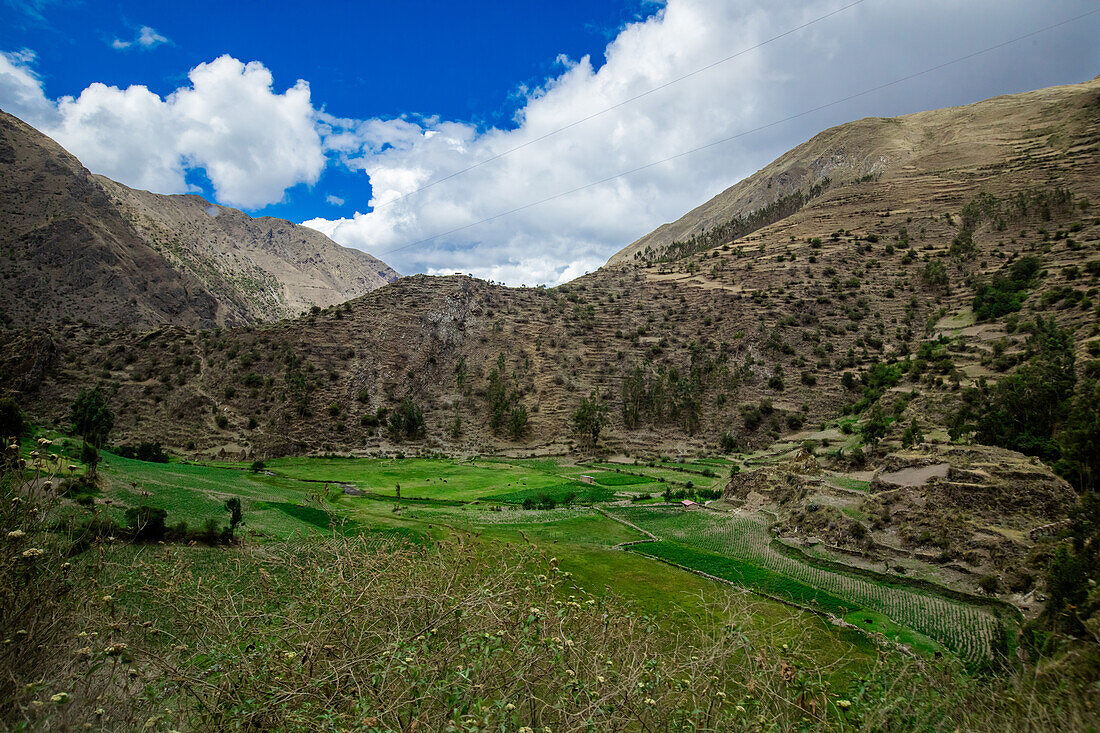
(659, 476)
(272, 506)
(429, 478)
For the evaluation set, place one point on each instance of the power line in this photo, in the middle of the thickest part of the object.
(615, 106)
(714, 143)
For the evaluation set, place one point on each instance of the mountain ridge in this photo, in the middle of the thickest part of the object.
(859, 275)
(76, 246)
(875, 147)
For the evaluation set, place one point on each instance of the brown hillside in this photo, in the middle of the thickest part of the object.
(79, 247)
(881, 149)
(779, 315)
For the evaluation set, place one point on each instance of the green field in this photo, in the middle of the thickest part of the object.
(659, 476)
(966, 628)
(483, 498)
(273, 507)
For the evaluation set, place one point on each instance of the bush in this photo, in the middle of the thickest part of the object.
(407, 422)
(89, 456)
(144, 451)
(934, 275)
(12, 423)
(146, 523)
(1004, 292)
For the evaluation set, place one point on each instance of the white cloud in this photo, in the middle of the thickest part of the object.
(334, 200)
(254, 143)
(251, 142)
(149, 38)
(856, 49)
(146, 38)
(21, 89)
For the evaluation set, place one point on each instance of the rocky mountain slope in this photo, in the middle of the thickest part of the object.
(874, 149)
(750, 337)
(81, 247)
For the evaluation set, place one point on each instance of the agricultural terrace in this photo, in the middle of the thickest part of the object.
(485, 498)
(741, 549)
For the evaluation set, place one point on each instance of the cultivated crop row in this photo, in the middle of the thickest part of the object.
(968, 629)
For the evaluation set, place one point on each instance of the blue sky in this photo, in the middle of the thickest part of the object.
(338, 115)
(460, 61)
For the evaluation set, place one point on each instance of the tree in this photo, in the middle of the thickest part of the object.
(517, 422)
(506, 414)
(233, 506)
(12, 424)
(912, 434)
(935, 275)
(874, 428)
(1072, 603)
(92, 418)
(588, 420)
(1080, 438)
(258, 466)
(92, 421)
(407, 421)
(1022, 410)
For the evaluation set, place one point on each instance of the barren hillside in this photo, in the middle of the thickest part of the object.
(78, 247)
(751, 336)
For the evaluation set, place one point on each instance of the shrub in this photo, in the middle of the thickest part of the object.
(1004, 292)
(12, 423)
(144, 451)
(146, 523)
(407, 421)
(91, 417)
(934, 275)
(588, 419)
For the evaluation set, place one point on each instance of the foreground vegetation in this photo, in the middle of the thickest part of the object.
(433, 617)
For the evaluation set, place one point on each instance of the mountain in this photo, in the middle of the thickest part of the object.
(885, 151)
(260, 269)
(74, 246)
(772, 332)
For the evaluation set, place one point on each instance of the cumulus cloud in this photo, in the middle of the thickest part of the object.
(21, 90)
(146, 38)
(252, 142)
(334, 200)
(854, 50)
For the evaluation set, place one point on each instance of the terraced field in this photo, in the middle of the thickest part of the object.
(302, 496)
(969, 629)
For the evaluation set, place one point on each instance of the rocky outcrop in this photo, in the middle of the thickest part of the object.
(979, 479)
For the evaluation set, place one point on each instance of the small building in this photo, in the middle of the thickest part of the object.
(688, 503)
(588, 480)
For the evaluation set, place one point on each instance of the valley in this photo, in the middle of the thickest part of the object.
(820, 455)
